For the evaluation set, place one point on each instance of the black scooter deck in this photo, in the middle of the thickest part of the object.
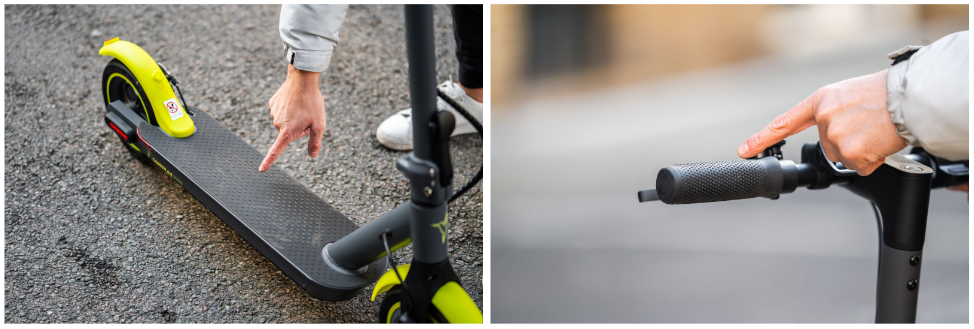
(281, 218)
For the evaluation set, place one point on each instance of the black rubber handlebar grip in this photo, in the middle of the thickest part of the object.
(720, 181)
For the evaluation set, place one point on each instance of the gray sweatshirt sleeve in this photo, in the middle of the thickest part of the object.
(929, 97)
(310, 34)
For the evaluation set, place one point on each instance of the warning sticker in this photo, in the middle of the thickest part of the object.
(175, 111)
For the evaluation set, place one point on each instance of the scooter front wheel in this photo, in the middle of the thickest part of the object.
(390, 310)
(391, 307)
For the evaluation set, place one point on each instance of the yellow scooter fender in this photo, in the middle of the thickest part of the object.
(451, 300)
(169, 113)
(389, 280)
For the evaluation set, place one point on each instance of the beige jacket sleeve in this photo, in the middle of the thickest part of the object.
(929, 97)
(310, 34)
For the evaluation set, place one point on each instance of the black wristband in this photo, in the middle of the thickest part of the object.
(904, 56)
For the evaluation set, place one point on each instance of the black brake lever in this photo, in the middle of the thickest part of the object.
(826, 163)
(947, 173)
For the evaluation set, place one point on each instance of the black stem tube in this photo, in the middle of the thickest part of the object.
(422, 75)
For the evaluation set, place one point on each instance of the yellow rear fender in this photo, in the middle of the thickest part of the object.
(169, 112)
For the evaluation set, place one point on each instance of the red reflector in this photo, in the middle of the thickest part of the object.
(118, 131)
(139, 132)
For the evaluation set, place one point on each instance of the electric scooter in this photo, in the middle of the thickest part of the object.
(899, 192)
(324, 252)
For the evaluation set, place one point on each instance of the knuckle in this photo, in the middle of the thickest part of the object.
(870, 158)
(833, 135)
(754, 141)
(846, 154)
(824, 90)
(821, 98)
(866, 169)
(823, 115)
(853, 154)
(825, 111)
(779, 124)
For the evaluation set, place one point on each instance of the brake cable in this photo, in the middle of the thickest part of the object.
(395, 267)
(172, 80)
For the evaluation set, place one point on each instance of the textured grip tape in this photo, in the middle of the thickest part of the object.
(719, 181)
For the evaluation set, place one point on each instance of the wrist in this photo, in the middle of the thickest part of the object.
(303, 78)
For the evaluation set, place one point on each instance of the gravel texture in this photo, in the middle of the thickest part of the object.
(93, 235)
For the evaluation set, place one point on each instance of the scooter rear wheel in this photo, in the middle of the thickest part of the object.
(118, 83)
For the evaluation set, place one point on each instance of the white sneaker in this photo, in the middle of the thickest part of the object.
(396, 132)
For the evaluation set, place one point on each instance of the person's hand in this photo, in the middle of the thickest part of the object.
(853, 124)
(298, 110)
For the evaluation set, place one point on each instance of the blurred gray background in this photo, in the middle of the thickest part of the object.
(575, 139)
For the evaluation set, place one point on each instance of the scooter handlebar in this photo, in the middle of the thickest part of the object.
(769, 177)
(720, 181)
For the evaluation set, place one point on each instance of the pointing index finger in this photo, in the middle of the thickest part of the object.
(274, 152)
(792, 122)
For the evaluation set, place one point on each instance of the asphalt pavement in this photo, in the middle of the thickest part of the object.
(92, 235)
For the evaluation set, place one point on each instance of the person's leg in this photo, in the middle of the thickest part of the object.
(396, 131)
(468, 26)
